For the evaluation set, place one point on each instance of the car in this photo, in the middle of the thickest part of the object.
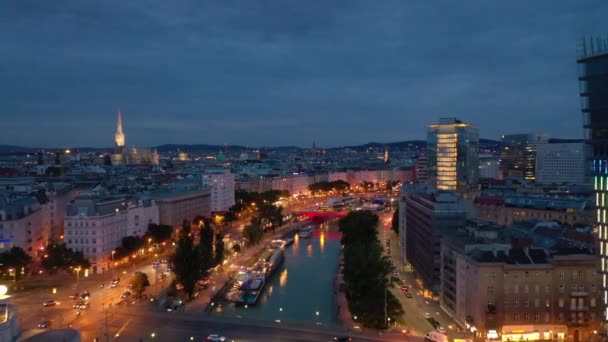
(84, 306)
(440, 330)
(408, 295)
(216, 337)
(50, 303)
(342, 339)
(85, 295)
(405, 288)
(74, 296)
(130, 286)
(44, 324)
(113, 285)
(427, 315)
(125, 295)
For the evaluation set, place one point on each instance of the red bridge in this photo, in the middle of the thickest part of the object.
(318, 214)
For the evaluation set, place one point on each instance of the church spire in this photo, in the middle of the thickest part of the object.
(119, 136)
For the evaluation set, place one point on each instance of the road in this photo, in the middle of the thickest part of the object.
(178, 326)
(415, 307)
(33, 312)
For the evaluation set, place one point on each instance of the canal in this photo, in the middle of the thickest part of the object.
(301, 290)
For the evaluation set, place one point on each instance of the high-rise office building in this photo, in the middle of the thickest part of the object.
(593, 85)
(453, 156)
(518, 155)
(560, 163)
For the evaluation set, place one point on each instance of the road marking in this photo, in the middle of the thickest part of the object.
(123, 327)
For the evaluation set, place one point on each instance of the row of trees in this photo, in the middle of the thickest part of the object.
(192, 262)
(156, 233)
(367, 271)
(59, 257)
(324, 186)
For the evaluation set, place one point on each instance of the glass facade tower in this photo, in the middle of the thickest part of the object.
(593, 82)
(453, 156)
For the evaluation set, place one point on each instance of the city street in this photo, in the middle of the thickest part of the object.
(415, 307)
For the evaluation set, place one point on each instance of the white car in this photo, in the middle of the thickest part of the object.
(441, 330)
(216, 337)
(427, 315)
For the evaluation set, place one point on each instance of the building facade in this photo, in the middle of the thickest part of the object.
(505, 210)
(221, 184)
(560, 163)
(176, 206)
(25, 223)
(453, 156)
(427, 215)
(593, 80)
(518, 155)
(489, 166)
(96, 226)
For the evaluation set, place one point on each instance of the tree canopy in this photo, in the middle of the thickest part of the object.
(59, 257)
(325, 186)
(253, 234)
(16, 259)
(139, 282)
(186, 260)
(395, 221)
(367, 271)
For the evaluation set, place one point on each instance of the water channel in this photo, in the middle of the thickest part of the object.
(301, 290)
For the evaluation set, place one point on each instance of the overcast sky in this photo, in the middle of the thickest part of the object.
(287, 72)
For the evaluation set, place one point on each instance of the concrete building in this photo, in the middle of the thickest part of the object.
(24, 222)
(489, 166)
(505, 210)
(453, 156)
(518, 155)
(427, 215)
(560, 163)
(221, 183)
(593, 64)
(513, 294)
(176, 206)
(96, 226)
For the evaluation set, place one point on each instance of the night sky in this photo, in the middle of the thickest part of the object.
(287, 72)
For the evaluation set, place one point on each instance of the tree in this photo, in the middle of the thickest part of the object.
(206, 247)
(395, 222)
(139, 282)
(324, 186)
(59, 257)
(159, 232)
(253, 234)
(16, 259)
(219, 249)
(366, 271)
(133, 243)
(185, 260)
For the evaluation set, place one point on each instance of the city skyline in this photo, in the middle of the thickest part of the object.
(276, 75)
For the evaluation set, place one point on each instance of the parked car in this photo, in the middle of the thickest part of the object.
(74, 296)
(50, 303)
(427, 315)
(342, 339)
(216, 337)
(125, 295)
(440, 330)
(408, 295)
(85, 295)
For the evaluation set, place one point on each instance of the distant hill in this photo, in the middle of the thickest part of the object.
(565, 141)
(484, 143)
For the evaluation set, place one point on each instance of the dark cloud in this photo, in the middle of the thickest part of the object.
(287, 72)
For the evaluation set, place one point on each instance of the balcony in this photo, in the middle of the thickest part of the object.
(579, 293)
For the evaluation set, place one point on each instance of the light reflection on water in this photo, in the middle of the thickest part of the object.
(302, 286)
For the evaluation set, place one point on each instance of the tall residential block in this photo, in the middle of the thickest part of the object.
(453, 156)
(518, 155)
(221, 184)
(593, 85)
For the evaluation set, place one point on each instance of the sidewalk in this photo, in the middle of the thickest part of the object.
(245, 257)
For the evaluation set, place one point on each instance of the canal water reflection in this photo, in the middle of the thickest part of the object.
(301, 290)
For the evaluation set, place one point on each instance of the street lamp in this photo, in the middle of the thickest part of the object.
(78, 269)
(113, 251)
